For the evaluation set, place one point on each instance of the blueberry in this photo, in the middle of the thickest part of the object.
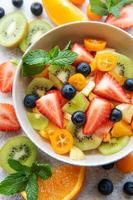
(128, 188)
(116, 115)
(2, 12)
(83, 68)
(36, 8)
(68, 91)
(30, 100)
(128, 84)
(79, 118)
(105, 187)
(108, 166)
(17, 3)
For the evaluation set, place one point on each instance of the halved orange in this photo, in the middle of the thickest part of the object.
(94, 45)
(64, 184)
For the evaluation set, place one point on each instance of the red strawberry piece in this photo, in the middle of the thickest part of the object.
(109, 88)
(99, 76)
(8, 119)
(125, 20)
(7, 71)
(104, 129)
(98, 112)
(84, 55)
(49, 105)
(59, 95)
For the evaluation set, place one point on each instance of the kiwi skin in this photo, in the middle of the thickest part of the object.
(13, 147)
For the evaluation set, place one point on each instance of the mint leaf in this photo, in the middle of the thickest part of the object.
(54, 52)
(66, 57)
(68, 46)
(32, 188)
(28, 70)
(42, 170)
(14, 183)
(98, 7)
(17, 166)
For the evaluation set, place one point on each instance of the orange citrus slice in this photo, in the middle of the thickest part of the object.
(78, 81)
(105, 61)
(94, 45)
(63, 11)
(91, 15)
(125, 165)
(64, 184)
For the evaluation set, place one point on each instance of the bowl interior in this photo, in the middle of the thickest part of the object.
(75, 32)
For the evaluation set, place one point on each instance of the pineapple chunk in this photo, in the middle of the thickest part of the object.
(121, 129)
(67, 116)
(89, 87)
(127, 112)
(76, 154)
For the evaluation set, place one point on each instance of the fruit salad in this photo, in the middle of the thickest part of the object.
(80, 98)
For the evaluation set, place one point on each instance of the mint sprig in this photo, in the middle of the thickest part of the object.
(107, 7)
(25, 179)
(34, 62)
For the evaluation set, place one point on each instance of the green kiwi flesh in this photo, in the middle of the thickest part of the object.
(114, 146)
(81, 141)
(36, 29)
(62, 72)
(78, 103)
(37, 121)
(39, 86)
(13, 28)
(124, 66)
(18, 148)
(57, 83)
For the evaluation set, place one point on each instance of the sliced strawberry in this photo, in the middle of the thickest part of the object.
(99, 76)
(125, 20)
(84, 55)
(7, 71)
(59, 95)
(49, 105)
(109, 88)
(97, 113)
(104, 129)
(8, 119)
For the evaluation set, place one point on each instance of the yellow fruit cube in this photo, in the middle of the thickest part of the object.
(44, 134)
(121, 129)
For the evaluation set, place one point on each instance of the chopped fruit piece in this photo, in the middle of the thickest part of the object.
(94, 45)
(107, 137)
(84, 56)
(76, 154)
(8, 119)
(127, 112)
(79, 118)
(125, 164)
(99, 110)
(50, 129)
(44, 73)
(125, 20)
(67, 116)
(83, 68)
(62, 141)
(105, 61)
(91, 15)
(121, 129)
(77, 2)
(49, 106)
(118, 77)
(109, 88)
(7, 72)
(44, 134)
(78, 81)
(60, 97)
(93, 65)
(35, 110)
(99, 76)
(128, 84)
(104, 129)
(116, 115)
(88, 88)
(68, 91)
(92, 96)
(132, 125)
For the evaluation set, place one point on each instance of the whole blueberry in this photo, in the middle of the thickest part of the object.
(36, 8)
(116, 115)
(68, 91)
(108, 166)
(2, 12)
(128, 84)
(17, 3)
(83, 68)
(30, 100)
(128, 188)
(79, 118)
(105, 187)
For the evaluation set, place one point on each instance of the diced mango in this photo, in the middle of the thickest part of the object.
(92, 96)
(121, 129)
(107, 137)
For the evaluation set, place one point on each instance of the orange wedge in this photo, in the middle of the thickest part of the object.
(64, 184)
(63, 11)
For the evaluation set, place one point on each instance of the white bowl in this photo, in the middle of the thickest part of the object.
(76, 32)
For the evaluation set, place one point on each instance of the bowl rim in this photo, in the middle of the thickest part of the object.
(57, 157)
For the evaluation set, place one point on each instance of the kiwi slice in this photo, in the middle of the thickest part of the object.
(13, 28)
(57, 83)
(62, 72)
(18, 148)
(81, 141)
(114, 146)
(39, 86)
(38, 121)
(78, 103)
(124, 66)
(36, 29)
